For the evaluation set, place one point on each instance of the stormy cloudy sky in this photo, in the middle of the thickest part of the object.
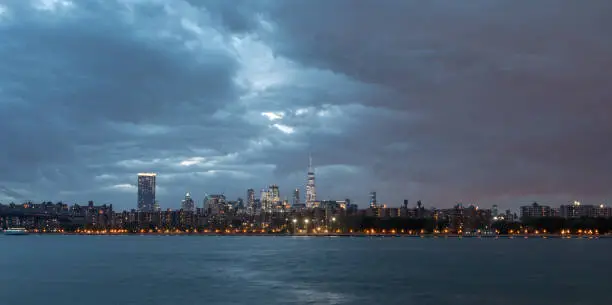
(481, 101)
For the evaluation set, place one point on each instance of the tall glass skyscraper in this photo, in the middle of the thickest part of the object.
(311, 191)
(146, 191)
(296, 197)
(251, 201)
(373, 201)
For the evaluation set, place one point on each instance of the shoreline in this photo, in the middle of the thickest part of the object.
(435, 236)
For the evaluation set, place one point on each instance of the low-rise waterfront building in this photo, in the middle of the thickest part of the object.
(535, 210)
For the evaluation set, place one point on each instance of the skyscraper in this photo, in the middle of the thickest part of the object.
(188, 204)
(250, 201)
(296, 197)
(146, 191)
(266, 200)
(373, 202)
(311, 191)
(274, 194)
(215, 204)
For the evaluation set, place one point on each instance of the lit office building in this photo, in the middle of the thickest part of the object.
(146, 191)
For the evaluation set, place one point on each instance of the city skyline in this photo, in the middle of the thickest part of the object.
(438, 101)
(271, 196)
(220, 215)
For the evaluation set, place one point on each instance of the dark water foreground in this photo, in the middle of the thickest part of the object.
(139, 270)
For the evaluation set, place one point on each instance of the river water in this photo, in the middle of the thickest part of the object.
(150, 270)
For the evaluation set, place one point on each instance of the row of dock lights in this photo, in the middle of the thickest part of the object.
(47, 231)
(316, 230)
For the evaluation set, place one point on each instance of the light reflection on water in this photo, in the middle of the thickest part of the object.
(301, 270)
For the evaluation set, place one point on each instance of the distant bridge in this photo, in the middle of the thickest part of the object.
(22, 213)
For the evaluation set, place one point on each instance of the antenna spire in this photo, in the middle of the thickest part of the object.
(310, 161)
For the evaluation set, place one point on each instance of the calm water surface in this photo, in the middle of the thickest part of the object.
(172, 270)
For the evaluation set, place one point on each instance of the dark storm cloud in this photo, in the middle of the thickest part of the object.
(77, 82)
(240, 16)
(485, 101)
(91, 67)
(512, 98)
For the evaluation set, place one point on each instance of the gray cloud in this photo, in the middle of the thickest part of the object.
(10, 193)
(487, 101)
(509, 97)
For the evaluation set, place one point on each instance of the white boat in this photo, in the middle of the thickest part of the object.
(15, 231)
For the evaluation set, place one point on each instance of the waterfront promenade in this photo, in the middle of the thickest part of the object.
(390, 235)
